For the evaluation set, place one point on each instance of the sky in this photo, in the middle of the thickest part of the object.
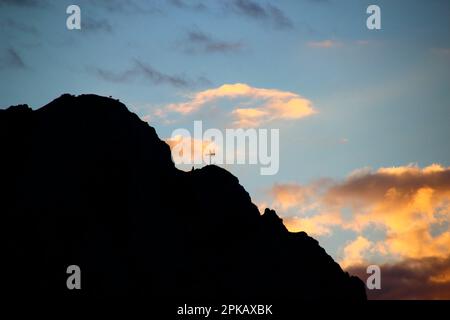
(363, 115)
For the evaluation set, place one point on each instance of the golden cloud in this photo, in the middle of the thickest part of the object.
(290, 195)
(324, 44)
(354, 251)
(316, 225)
(263, 106)
(197, 149)
(410, 204)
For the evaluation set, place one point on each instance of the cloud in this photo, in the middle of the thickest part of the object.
(198, 149)
(354, 252)
(178, 3)
(263, 105)
(316, 225)
(324, 44)
(22, 3)
(266, 13)
(362, 42)
(199, 6)
(12, 59)
(443, 52)
(279, 18)
(96, 25)
(147, 72)
(291, 195)
(126, 6)
(407, 201)
(17, 25)
(426, 278)
(198, 41)
(409, 205)
(330, 44)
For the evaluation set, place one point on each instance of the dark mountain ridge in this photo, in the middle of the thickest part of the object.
(86, 182)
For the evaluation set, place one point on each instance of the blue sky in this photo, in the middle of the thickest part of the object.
(381, 96)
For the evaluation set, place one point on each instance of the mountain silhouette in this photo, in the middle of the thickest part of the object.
(85, 182)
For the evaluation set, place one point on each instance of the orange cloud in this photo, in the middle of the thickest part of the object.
(197, 149)
(317, 225)
(410, 204)
(325, 44)
(406, 201)
(249, 118)
(354, 252)
(290, 195)
(263, 106)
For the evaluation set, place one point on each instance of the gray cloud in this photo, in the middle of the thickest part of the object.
(199, 6)
(279, 18)
(265, 13)
(17, 25)
(126, 6)
(12, 59)
(250, 8)
(147, 72)
(177, 3)
(22, 3)
(96, 25)
(427, 278)
(198, 41)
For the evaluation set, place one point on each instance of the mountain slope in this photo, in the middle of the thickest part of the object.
(86, 182)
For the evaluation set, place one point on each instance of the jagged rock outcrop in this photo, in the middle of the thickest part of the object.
(86, 182)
